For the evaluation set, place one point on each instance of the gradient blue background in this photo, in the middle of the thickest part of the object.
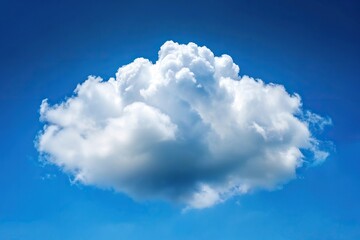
(47, 47)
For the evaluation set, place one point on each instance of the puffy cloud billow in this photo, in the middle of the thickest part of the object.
(187, 129)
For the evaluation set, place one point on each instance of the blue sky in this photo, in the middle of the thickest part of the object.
(310, 47)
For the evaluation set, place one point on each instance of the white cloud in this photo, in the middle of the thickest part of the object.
(187, 129)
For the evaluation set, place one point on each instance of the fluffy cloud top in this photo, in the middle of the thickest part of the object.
(187, 129)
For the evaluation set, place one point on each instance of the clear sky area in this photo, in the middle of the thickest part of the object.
(229, 120)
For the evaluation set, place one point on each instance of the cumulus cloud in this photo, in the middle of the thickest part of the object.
(187, 129)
